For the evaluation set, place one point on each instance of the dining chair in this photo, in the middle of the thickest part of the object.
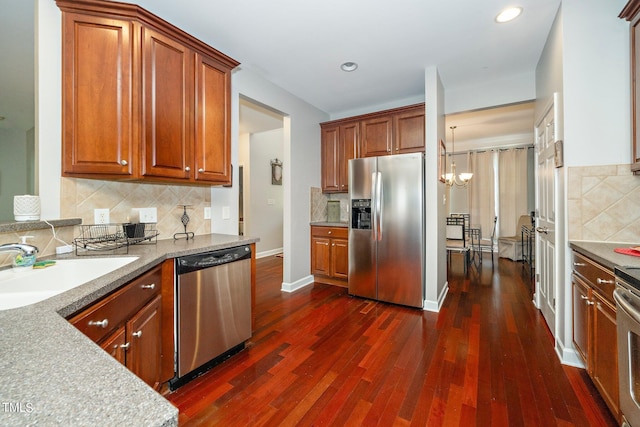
(457, 239)
(489, 243)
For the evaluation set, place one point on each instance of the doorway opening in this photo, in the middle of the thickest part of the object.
(261, 195)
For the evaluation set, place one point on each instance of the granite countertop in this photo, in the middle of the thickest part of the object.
(52, 374)
(329, 224)
(603, 253)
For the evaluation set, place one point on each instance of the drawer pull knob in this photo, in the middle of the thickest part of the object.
(123, 162)
(579, 264)
(584, 297)
(151, 286)
(125, 346)
(187, 169)
(201, 170)
(604, 282)
(329, 232)
(102, 324)
(590, 302)
(137, 334)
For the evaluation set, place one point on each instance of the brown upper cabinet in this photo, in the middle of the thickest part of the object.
(142, 100)
(397, 131)
(631, 13)
(339, 145)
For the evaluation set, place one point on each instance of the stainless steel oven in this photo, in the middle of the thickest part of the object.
(627, 298)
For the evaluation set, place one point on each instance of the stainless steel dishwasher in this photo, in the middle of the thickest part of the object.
(213, 309)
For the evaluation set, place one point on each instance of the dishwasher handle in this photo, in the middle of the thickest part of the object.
(190, 263)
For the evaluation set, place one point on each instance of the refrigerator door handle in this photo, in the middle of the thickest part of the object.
(379, 206)
(374, 228)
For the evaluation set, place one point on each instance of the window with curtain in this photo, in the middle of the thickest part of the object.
(500, 187)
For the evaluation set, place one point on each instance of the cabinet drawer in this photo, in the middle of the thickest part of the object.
(105, 316)
(332, 232)
(599, 277)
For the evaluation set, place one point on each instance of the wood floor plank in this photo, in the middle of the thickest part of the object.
(319, 357)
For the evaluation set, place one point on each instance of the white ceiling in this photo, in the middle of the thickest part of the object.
(299, 45)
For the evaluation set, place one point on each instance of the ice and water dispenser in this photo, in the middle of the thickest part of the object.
(361, 214)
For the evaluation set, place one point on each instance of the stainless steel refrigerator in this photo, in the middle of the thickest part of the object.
(386, 228)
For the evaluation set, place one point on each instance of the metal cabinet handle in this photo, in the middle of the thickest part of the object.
(333, 244)
(102, 324)
(201, 170)
(604, 282)
(125, 346)
(579, 264)
(187, 169)
(584, 297)
(123, 162)
(137, 334)
(590, 302)
(329, 232)
(151, 286)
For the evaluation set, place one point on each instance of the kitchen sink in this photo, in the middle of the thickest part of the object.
(20, 288)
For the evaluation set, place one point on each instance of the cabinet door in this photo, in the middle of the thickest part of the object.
(347, 150)
(377, 136)
(320, 256)
(97, 113)
(329, 159)
(167, 68)
(212, 121)
(340, 258)
(115, 345)
(144, 338)
(581, 318)
(409, 132)
(605, 352)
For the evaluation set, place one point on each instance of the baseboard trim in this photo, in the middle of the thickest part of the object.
(568, 356)
(435, 306)
(271, 252)
(298, 284)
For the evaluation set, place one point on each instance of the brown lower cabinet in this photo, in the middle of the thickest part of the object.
(330, 255)
(594, 326)
(131, 325)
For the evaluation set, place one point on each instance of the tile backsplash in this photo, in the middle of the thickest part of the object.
(603, 204)
(318, 205)
(81, 196)
(42, 239)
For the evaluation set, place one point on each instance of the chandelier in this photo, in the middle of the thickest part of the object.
(451, 178)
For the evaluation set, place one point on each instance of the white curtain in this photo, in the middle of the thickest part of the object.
(512, 178)
(482, 192)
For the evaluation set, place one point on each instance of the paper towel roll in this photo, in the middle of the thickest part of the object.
(26, 208)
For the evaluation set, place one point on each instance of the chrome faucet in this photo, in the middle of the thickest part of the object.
(25, 248)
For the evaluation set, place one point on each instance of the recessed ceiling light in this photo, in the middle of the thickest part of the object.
(509, 14)
(349, 66)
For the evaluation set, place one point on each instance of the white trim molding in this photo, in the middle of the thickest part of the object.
(298, 284)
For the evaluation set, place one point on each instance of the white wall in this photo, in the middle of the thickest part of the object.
(13, 169)
(301, 136)
(595, 83)
(48, 89)
(266, 202)
(509, 90)
(436, 286)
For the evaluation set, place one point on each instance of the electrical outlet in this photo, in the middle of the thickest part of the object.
(271, 201)
(148, 215)
(226, 212)
(101, 216)
(207, 212)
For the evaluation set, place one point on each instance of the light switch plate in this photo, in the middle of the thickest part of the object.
(226, 212)
(207, 212)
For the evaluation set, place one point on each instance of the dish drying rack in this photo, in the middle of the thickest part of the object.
(111, 237)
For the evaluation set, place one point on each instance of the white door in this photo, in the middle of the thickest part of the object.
(546, 289)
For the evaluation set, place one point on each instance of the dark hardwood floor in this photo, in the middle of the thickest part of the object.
(320, 357)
